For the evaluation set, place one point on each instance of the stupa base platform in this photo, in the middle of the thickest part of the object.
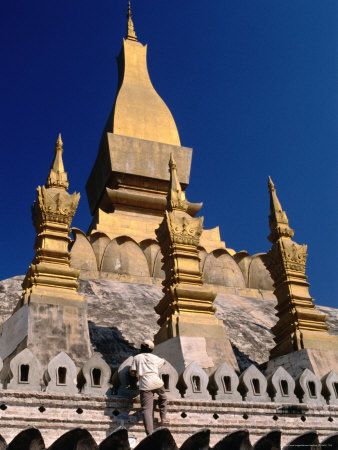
(47, 325)
(318, 361)
(208, 352)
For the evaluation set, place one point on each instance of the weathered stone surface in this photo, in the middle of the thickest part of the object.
(220, 268)
(61, 375)
(223, 384)
(1, 366)
(318, 361)
(281, 387)
(97, 374)
(193, 382)
(180, 351)
(123, 255)
(26, 372)
(82, 253)
(252, 385)
(253, 267)
(116, 331)
(101, 416)
(10, 293)
(330, 387)
(308, 388)
(169, 376)
(124, 385)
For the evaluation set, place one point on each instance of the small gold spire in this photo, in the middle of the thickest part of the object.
(299, 325)
(176, 197)
(130, 26)
(57, 177)
(59, 140)
(279, 223)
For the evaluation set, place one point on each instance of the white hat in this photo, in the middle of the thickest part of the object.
(148, 343)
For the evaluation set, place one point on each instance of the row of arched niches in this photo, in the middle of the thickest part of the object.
(223, 388)
(25, 373)
(123, 256)
(162, 439)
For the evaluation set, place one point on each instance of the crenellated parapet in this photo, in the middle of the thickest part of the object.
(94, 378)
(70, 396)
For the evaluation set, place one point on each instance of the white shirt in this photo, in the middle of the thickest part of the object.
(146, 366)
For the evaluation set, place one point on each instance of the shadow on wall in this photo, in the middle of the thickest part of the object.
(110, 342)
(243, 359)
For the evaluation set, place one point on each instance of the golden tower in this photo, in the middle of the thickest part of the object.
(299, 326)
(51, 315)
(189, 328)
(128, 184)
(53, 210)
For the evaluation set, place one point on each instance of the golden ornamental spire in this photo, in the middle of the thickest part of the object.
(299, 325)
(136, 97)
(278, 221)
(52, 214)
(130, 26)
(57, 177)
(186, 309)
(176, 197)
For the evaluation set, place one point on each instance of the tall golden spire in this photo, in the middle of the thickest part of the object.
(130, 26)
(57, 177)
(176, 197)
(278, 221)
(186, 308)
(50, 285)
(136, 97)
(53, 211)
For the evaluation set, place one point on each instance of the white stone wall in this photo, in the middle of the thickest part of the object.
(62, 414)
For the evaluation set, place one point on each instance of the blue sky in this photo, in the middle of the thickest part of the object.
(252, 87)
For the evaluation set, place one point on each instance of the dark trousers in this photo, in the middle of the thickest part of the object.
(147, 404)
